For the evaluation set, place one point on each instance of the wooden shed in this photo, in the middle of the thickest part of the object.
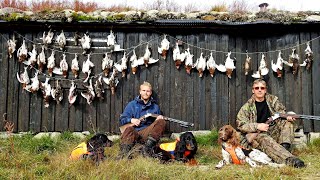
(208, 102)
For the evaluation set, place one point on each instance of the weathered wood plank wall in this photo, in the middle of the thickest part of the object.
(209, 102)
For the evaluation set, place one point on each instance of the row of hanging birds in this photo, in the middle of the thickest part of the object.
(186, 57)
(33, 59)
(38, 62)
(202, 63)
(55, 93)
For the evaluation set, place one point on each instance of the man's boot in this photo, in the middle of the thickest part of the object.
(295, 162)
(124, 151)
(149, 147)
(287, 146)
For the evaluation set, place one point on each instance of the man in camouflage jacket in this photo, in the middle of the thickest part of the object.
(274, 140)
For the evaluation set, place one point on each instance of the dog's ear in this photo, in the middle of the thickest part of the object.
(234, 138)
(181, 145)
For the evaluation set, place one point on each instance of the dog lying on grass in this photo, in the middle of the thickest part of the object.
(92, 149)
(233, 153)
(183, 149)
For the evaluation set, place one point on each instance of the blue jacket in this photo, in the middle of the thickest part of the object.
(136, 109)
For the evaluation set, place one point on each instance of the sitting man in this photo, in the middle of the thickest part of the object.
(147, 131)
(275, 140)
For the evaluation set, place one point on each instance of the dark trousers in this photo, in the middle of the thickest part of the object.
(155, 130)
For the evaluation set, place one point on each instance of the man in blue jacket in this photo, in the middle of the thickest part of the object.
(148, 131)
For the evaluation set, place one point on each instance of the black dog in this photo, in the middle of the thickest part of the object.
(185, 149)
(96, 145)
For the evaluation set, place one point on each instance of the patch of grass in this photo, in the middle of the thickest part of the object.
(49, 159)
(208, 140)
(220, 7)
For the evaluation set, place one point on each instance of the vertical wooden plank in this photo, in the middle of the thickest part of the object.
(241, 78)
(315, 82)
(213, 44)
(48, 114)
(211, 85)
(201, 115)
(165, 79)
(119, 91)
(274, 81)
(195, 78)
(223, 84)
(232, 84)
(176, 95)
(4, 64)
(288, 98)
(153, 73)
(306, 85)
(252, 46)
(13, 90)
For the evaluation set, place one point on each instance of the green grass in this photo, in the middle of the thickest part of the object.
(49, 159)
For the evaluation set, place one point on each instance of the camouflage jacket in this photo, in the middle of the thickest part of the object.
(247, 116)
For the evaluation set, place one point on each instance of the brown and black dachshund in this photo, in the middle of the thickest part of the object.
(185, 149)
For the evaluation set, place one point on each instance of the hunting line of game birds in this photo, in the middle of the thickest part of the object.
(110, 69)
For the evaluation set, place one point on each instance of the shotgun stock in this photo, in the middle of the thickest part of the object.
(143, 118)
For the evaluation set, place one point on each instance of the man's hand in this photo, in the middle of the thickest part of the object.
(263, 126)
(290, 118)
(159, 117)
(135, 121)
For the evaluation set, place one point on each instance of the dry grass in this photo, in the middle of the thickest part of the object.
(50, 5)
(22, 5)
(48, 159)
(220, 7)
(240, 6)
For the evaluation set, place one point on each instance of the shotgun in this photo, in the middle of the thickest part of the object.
(143, 118)
(271, 121)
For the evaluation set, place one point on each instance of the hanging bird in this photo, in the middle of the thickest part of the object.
(177, 56)
(57, 93)
(33, 57)
(247, 65)
(47, 39)
(188, 62)
(61, 39)
(164, 47)
(86, 68)
(309, 57)
(46, 92)
(85, 43)
(22, 52)
(112, 82)
(64, 66)
(23, 78)
(35, 84)
(107, 64)
(146, 57)
(51, 63)
(200, 64)
(11, 46)
(211, 65)
(262, 70)
(123, 66)
(89, 94)
(98, 88)
(294, 61)
(278, 66)
(41, 60)
(228, 66)
(75, 66)
(135, 62)
(111, 39)
(72, 97)
(76, 38)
